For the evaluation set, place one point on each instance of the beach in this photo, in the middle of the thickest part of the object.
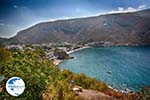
(57, 62)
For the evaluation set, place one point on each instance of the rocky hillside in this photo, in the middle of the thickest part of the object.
(121, 28)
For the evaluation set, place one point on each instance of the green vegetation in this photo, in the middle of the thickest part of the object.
(4, 54)
(42, 78)
(84, 81)
(46, 81)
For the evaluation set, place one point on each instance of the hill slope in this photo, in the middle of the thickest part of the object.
(122, 28)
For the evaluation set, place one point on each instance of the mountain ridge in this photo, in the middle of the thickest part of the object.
(119, 28)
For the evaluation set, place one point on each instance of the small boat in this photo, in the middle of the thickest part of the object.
(125, 85)
(109, 72)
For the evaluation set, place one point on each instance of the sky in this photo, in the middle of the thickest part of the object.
(16, 15)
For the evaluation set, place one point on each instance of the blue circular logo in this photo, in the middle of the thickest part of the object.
(15, 86)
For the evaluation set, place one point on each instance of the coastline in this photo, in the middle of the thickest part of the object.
(122, 91)
(85, 47)
(57, 61)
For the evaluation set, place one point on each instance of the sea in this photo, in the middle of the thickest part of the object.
(123, 68)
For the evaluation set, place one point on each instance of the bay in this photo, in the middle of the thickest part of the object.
(120, 67)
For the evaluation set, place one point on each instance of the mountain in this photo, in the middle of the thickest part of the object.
(120, 28)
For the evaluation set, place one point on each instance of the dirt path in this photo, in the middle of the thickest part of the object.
(94, 95)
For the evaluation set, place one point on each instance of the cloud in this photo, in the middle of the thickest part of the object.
(7, 30)
(7, 25)
(2, 24)
(15, 6)
(129, 9)
(142, 6)
(120, 9)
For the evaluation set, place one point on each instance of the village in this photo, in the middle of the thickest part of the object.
(59, 50)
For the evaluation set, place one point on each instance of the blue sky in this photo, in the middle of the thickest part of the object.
(16, 15)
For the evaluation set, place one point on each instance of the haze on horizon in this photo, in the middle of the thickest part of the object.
(16, 15)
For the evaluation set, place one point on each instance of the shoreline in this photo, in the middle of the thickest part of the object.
(57, 61)
(122, 91)
(85, 47)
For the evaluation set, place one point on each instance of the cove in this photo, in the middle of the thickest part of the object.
(120, 67)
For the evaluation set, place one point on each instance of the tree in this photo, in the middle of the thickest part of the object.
(4, 54)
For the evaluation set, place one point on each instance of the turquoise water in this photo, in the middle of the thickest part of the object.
(120, 67)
